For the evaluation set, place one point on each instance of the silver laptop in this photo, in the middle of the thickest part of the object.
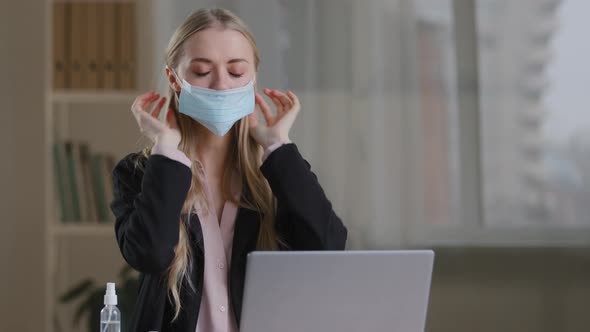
(343, 291)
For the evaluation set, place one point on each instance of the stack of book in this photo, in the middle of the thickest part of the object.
(94, 44)
(83, 183)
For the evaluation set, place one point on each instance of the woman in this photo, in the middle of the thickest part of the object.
(216, 184)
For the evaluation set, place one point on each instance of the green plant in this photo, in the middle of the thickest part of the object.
(93, 295)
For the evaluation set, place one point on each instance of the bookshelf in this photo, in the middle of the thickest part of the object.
(75, 96)
(104, 97)
(85, 228)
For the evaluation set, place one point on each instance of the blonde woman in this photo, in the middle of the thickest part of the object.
(216, 184)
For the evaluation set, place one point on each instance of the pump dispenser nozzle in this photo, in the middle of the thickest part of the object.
(110, 298)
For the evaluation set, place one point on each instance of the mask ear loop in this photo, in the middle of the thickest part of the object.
(178, 81)
(176, 93)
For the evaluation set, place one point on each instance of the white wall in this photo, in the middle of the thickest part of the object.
(22, 169)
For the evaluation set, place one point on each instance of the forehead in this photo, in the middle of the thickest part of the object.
(219, 45)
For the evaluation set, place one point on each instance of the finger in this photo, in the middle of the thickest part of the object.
(144, 105)
(140, 100)
(144, 97)
(285, 101)
(148, 105)
(145, 100)
(139, 104)
(156, 111)
(266, 112)
(275, 100)
(294, 100)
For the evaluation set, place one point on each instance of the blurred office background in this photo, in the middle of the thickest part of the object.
(456, 125)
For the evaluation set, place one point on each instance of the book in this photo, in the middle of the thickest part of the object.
(127, 45)
(61, 182)
(81, 190)
(60, 45)
(108, 42)
(92, 54)
(77, 45)
(89, 194)
(72, 180)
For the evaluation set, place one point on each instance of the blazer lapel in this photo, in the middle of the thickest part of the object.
(245, 239)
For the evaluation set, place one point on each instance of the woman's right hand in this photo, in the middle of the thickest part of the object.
(149, 123)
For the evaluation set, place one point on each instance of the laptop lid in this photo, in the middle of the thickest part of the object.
(337, 291)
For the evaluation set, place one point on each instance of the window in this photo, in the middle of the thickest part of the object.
(535, 127)
(436, 122)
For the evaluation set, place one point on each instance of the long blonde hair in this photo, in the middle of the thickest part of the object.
(244, 155)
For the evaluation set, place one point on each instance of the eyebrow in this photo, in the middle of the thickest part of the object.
(209, 61)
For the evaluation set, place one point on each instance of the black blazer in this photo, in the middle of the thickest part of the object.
(147, 205)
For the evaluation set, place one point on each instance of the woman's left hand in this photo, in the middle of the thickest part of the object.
(278, 124)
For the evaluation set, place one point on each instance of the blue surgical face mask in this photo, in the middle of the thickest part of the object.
(217, 110)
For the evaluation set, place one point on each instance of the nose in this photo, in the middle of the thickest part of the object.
(220, 82)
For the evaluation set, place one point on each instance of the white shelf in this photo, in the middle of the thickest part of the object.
(106, 96)
(84, 229)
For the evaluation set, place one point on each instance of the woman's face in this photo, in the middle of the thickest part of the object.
(217, 58)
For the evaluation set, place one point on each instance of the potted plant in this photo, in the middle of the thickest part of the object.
(93, 295)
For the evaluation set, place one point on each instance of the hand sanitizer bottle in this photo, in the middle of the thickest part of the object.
(110, 316)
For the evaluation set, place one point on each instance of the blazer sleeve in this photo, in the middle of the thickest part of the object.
(147, 204)
(305, 217)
